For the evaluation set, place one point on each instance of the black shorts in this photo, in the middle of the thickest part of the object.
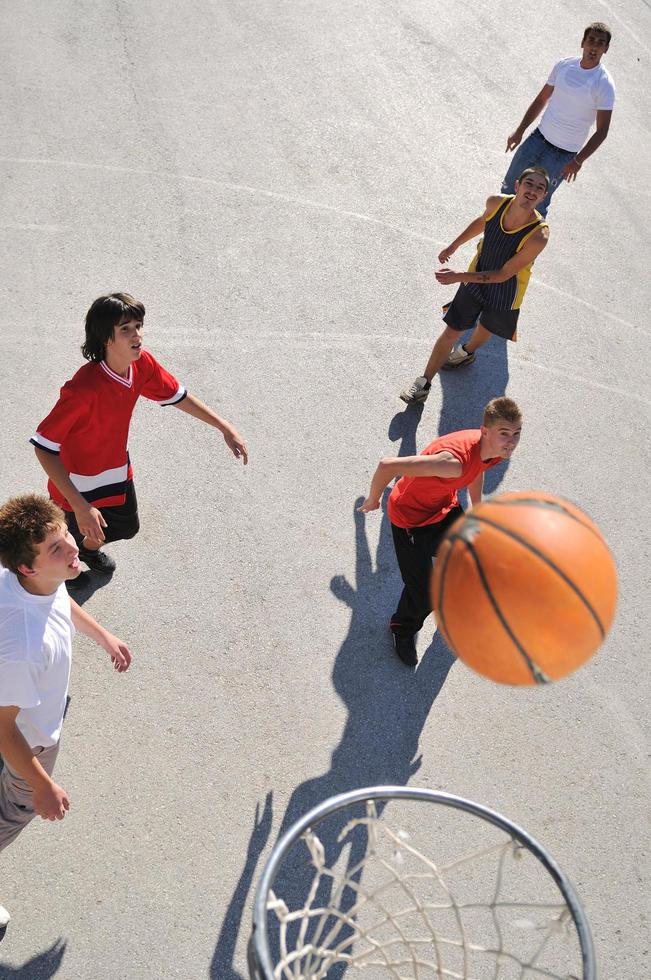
(121, 522)
(464, 309)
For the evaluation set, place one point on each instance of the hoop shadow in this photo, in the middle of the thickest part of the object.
(41, 967)
(221, 965)
(387, 705)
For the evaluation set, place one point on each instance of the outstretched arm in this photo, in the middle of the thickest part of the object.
(116, 649)
(439, 464)
(474, 229)
(527, 254)
(192, 406)
(530, 115)
(49, 800)
(571, 169)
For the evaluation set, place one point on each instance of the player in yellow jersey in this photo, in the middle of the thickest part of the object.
(514, 234)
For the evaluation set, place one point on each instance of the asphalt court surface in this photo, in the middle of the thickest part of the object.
(275, 181)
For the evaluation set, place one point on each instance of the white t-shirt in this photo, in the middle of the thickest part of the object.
(36, 634)
(572, 108)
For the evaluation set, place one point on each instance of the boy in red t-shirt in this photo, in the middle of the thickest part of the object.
(423, 504)
(83, 443)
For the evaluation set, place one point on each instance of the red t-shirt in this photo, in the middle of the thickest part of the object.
(89, 426)
(419, 500)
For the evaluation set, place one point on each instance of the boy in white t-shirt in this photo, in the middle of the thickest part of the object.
(37, 623)
(579, 93)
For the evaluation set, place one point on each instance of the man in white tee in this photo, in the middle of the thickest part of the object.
(579, 93)
(38, 620)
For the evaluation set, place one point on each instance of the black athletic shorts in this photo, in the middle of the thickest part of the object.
(121, 522)
(464, 309)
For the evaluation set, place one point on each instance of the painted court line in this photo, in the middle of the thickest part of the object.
(615, 16)
(302, 202)
(361, 341)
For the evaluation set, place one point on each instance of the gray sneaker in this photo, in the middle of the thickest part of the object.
(416, 392)
(5, 919)
(459, 358)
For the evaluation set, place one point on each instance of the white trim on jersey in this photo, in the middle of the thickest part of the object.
(85, 483)
(127, 382)
(179, 396)
(39, 440)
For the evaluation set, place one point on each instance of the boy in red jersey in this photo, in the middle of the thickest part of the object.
(82, 443)
(424, 503)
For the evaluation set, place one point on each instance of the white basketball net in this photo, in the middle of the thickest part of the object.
(394, 915)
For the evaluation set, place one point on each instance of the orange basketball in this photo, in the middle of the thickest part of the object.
(524, 588)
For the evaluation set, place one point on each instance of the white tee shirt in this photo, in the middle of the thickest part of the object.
(572, 108)
(36, 634)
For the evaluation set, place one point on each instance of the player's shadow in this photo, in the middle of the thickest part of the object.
(467, 390)
(387, 706)
(40, 967)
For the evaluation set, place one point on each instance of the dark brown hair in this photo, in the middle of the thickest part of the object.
(598, 25)
(535, 170)
(102, 319)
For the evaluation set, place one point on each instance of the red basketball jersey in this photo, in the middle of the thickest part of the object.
(89, 426)
(419, 500)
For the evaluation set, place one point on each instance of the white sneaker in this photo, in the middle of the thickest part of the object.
(459, 357)
(416, 392)
(5, 919)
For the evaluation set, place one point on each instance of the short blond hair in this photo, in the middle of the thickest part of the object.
(502, 409)
(24, 523)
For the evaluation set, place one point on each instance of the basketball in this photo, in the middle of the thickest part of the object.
(524, 588)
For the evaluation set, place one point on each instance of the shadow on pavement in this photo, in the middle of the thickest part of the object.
(40, 967)
(221, 965)
(465, 393)
(387, 705)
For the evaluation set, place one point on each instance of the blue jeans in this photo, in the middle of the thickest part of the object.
(536, 152)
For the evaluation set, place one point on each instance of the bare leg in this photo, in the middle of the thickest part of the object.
(478, 338)
(440, 351)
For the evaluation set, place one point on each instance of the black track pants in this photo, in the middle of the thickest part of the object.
(415, 549)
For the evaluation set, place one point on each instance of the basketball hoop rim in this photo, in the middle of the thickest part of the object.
(259, 935)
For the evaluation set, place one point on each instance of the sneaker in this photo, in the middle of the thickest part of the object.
(416, 392)
(459, 358)
(5, 919)
(405, 647)
(77, 585)
(99, 561)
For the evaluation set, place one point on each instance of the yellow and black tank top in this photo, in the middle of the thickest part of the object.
(494, 251)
